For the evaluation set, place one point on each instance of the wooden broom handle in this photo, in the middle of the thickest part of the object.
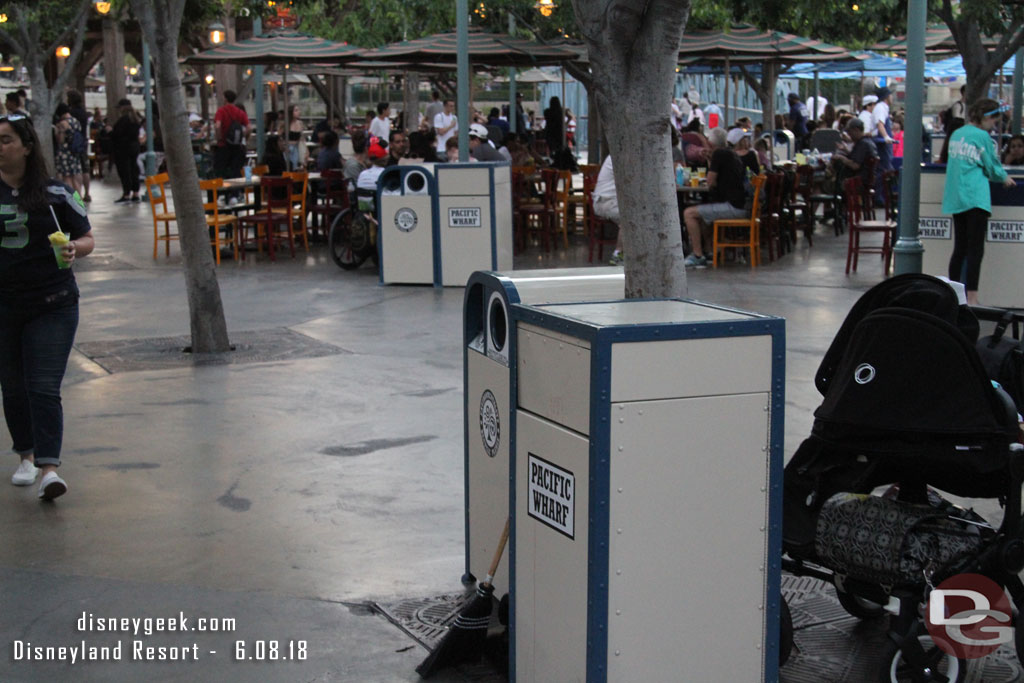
(499, 551)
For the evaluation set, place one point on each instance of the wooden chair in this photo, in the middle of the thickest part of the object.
(600, 231)
(562, 188)
(276, 211)
(800, 202)
(156, 192)
(534, 215)
(773, 233)
(335, 200)
(752, 240)
(215, 220)
(299, 192)
(859, 222)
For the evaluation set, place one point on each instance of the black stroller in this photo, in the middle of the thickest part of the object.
(906, 405)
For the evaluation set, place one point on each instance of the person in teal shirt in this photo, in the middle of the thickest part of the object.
(973, 164)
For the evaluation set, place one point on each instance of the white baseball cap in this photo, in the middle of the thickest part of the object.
(735, 135)
(478, 131)
(868, 99)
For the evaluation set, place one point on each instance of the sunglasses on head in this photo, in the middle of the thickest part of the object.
(13, 117)
(998, 110)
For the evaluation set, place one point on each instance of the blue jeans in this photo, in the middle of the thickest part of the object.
(35, 343)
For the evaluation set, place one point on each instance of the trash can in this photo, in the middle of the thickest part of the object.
(406, 237)
(489, 368)
(647, 473)
(474, 217)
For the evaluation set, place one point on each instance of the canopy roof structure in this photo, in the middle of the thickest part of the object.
(279, 47)
(495, 49)
(745, 43)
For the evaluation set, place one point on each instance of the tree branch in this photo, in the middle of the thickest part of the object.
(76, 50)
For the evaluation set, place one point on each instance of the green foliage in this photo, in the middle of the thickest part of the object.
(53, 19)
(372, 23)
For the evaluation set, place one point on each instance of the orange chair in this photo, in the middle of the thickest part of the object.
(156, 191)
(752, 241)
(276, 211)
(215, 220)
(859, 221)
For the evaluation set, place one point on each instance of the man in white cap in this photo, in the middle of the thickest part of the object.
(867, 104)
(479, 148)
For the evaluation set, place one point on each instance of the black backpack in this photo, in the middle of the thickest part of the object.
(78, 143)
(1003, 358)
(235, 135)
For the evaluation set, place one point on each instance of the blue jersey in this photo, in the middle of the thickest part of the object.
(28, 268)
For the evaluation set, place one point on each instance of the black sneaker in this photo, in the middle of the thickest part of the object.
(136, 199)
(122, 200)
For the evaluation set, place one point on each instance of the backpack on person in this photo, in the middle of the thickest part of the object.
(235, 135)
(78, 143)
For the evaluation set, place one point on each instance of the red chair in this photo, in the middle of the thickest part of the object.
(800, 202)
(276, 211)
(774, 233)
(859, 222)
(335, 200)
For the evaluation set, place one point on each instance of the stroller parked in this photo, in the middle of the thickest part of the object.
(907, 405)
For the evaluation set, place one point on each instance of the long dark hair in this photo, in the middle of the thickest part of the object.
(32, 193)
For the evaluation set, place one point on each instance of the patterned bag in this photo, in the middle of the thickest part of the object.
(888, 541)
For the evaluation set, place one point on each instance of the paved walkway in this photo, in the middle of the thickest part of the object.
(288, 492)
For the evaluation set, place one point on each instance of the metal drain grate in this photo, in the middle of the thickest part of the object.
(158, 353)
(426, 620)
(831, 645)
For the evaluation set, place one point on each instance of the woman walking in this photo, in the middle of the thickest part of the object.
(124, 139)
(69, 160)
(38, 301)
(972, 165)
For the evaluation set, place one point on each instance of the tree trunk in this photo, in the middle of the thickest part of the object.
(113, 65)
(206, 312)
(634, 46)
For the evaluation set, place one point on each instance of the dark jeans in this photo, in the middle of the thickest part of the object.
(34, 347)
(969, 230)
(127, 170)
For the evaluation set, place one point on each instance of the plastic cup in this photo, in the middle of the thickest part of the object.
(694, 182)
(59, 240)
(248, 174)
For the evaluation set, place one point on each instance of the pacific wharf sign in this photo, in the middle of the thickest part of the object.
(551, 495)
(468, 217)
(935, 228)
(1006, 231)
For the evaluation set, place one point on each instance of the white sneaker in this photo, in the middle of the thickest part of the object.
(51, 486)
(26, 474)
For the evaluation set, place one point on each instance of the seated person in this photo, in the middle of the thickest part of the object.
(761, 147)
(728, 196)
(739, 140)
(479, 148)
(451, 149)
(356, 163)
(850, 163)
(695, 146)
(329, 156)
(1014, 154)
(377, 153)
(273, 155)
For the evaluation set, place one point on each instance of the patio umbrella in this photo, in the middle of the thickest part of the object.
(937, 39)
(280, 46)
(493, 49)
(746, 43)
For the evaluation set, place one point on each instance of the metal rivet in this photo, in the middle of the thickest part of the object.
(620, 449)
(618, 612)
(618, 531)
(762, 528)
(616, 653)
(763, 489)
(621, 420)
(620, 489)
(618, 572)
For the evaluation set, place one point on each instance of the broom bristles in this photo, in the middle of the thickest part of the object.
(465, 637)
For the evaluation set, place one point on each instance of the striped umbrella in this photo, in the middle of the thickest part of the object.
(279, 47)
(937, 39)
(743, 43)
(494, 49)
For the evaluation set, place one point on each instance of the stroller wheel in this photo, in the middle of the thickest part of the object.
(859, 607)
(785, 632)
(941, 665)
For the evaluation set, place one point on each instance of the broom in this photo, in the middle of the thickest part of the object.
(465, 637)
